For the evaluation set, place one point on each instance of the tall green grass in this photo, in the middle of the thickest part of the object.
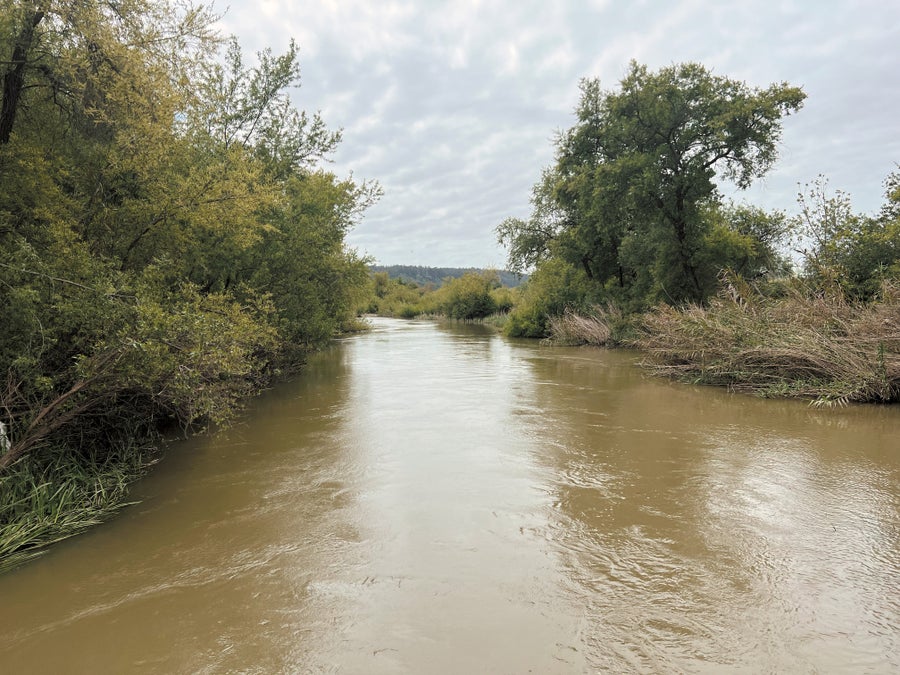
(56, 494)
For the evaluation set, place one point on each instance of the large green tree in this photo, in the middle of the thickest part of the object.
(165, 233)
(634, 184)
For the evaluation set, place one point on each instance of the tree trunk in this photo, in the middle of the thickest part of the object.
(586, 263)
(14, 78)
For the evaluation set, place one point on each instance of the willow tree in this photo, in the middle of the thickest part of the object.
(145, 175)
(636, 177)
(91, 158)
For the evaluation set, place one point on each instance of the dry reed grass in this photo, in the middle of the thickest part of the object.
(599, 328)
(820, 347)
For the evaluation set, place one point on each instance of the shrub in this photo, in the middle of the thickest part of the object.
(469, 297)
(554, 288)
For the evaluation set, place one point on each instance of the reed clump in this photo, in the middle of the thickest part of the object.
(818, 346)
(53, 495)
(600, 327)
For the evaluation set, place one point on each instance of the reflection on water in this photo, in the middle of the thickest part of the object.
(709, 531)
(433, 498)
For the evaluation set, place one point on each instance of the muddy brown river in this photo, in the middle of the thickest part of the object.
(428, 498)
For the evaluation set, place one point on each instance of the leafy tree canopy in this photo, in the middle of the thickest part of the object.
(167, 236)
(631, 193)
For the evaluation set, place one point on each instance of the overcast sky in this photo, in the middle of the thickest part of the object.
(452, 106)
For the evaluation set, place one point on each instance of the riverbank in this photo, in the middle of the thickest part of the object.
(74, 481)
(785, 342)
(153, 275)
(47, 498)
(822, 347)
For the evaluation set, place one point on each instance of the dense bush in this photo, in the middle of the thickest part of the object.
(469, 296)
(554, 288)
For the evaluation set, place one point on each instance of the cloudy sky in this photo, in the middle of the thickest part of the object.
(452, 106)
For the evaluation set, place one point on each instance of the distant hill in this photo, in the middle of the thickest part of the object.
(436, 275)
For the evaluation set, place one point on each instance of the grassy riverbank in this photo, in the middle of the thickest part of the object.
(54, 495)
(812, 346)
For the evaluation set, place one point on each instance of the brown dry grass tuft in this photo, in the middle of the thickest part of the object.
(601, 328)
(823, 348)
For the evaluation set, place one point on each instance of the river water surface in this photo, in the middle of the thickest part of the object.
(428, 498)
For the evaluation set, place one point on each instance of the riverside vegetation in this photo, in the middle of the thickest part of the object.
(631, 244)
(168, 244)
